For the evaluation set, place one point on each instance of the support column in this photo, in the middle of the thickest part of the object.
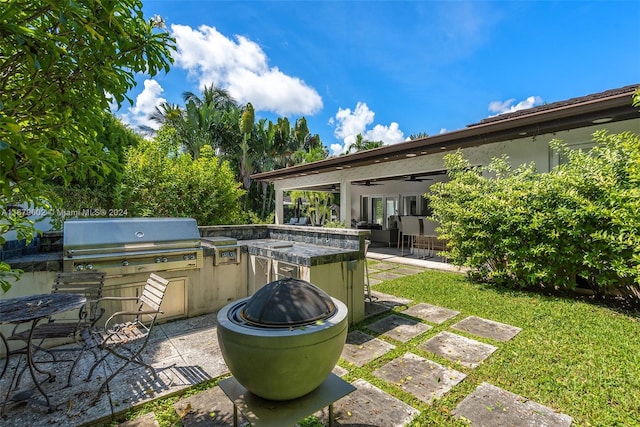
(345, 203)
(279, 205)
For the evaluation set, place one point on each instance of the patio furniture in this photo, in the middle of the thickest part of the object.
(430, 237)
(127, 340)
(411, 229)
(87, 283)
(90, 285)
(387, 236)
(33, 309)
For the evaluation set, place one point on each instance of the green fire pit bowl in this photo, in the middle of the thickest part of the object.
(289, 348)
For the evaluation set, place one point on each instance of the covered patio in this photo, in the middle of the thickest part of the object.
(374, 185)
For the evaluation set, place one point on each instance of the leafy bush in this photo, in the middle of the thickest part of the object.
(160, 181)
(579, 223)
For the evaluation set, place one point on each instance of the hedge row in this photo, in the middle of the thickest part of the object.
(577, 224)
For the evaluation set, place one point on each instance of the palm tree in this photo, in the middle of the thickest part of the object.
(164, 113)
(205, 116)
(202, 121)
(212, 95)
(418, 135)
(361, 144)
(246, 128)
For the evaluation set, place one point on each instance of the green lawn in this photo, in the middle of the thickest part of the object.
(576, 357)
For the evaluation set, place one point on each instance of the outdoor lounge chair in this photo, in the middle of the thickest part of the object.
(128, 340)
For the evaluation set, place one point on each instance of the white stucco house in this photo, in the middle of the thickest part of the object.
(390, 180)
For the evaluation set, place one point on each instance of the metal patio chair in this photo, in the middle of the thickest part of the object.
(88, 283)
(128, 340)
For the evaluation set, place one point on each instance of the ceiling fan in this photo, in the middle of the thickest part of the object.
(414, 178)
(367, 183)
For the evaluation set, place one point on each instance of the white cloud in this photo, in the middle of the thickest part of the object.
(241, 67)
(388, 134)
(145, 105)
(348, 124)
(352, 123)
(501, 107)
(337, 149)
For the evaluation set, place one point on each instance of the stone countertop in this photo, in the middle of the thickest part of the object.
(298, 253)
(43, 261)
(293, 252)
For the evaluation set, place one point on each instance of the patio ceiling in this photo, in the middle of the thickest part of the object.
(414, 177)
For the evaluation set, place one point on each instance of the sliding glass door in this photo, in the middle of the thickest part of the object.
(377, 209)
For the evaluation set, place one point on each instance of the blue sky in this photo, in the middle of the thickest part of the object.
(390, 69)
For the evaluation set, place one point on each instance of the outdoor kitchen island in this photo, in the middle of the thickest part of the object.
(332, 259)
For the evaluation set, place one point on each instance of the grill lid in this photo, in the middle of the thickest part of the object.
(129, 234)
(287, 302)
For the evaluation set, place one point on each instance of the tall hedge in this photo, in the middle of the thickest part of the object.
(577, 224)
(159, 180)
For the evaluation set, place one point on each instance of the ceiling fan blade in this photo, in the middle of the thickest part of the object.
(413, 178)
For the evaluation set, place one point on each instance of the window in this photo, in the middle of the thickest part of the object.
(364, 209)
(410, 205)
(391, 204)
(377, 209)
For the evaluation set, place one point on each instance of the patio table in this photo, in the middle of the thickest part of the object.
(33, 309)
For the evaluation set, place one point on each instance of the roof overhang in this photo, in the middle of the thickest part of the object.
(609, 106)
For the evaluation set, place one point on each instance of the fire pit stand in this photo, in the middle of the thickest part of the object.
(262, 412)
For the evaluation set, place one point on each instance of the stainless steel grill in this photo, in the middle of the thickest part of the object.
(131, 245)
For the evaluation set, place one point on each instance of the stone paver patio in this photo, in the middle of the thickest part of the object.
(398, 327)
(362, 348)
(487, 328)
(370, 406)
(387, 275)
(467, 352)
(421, 377)
(192, 345)
(490, 406)
(431, 313)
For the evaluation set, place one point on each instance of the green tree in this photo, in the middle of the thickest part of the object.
(159, 180)
(203, 118)
(316, 205)
(201, 121)
(86, 192)
(418, 135)
(246, 128)
(61, 63)
(277, 145)
(215, 119)
(577, 224)
(362, 144)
